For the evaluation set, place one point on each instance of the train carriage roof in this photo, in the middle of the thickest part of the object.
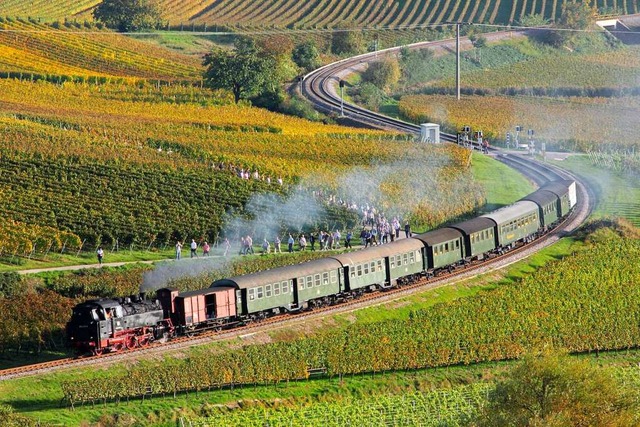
(278, 274)
(560, 188)
(542, 197)
(511, 212)
(474, 225)
(380, 251)
(205, 291)
(442, 235)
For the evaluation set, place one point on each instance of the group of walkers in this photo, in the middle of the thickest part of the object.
(376, 230)
(193, 246)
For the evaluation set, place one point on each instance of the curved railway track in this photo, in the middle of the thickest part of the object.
(318, 86)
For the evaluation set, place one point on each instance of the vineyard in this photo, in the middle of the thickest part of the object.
(560, 305)
(563, 123)
(180, 176)
(37, 51)
(451, 407)
(613, 71)
(318, 14)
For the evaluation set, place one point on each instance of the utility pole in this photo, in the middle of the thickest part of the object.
(458, 61)
(341, 98)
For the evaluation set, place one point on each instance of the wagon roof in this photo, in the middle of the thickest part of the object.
(559, 188)
(205, 291)
(474, 225)
(511, 212)
(442, 235)
(278, 274)
(542, 197)
(381, 251)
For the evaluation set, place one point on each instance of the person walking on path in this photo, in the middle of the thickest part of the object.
(194, 247)
(178, 250)
(407, 230)
(227, 245)
(347, 240)
(276, 245)
(290, 242)
(205, 249)
(100, 254)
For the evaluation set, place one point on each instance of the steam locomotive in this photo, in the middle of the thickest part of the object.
(110, 325)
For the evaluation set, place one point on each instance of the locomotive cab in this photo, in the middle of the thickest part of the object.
(90, 323)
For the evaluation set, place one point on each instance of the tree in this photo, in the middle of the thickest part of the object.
(558, 390)
(127, 15)
(242, 71)
(347, 40)
(575, 16)
(383, 74)
(306, 55)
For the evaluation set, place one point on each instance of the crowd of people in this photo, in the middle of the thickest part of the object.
(375, 231)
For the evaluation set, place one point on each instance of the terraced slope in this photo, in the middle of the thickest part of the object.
(319, 13)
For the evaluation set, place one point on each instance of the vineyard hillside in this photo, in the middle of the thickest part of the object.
(35, 51)
(317, 14)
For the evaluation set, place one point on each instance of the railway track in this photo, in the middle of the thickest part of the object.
(319, 86)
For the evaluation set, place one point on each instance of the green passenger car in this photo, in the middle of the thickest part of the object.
(515, 222)
(443, 248)
(548, 206)
(566, 192)
(362, 269)
(381, 266)
(479, 237)
(281, 289)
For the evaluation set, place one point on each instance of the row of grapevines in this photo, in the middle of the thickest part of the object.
(80, 53)
(561, 305)
(451, 407)
(17, 237)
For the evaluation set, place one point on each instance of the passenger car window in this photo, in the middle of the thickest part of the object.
(260, 292)
(285, 287)
(276, 289)
(267, 291)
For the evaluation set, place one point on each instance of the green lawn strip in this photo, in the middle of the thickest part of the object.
(57, 260)
(618, 193)
(503, 185)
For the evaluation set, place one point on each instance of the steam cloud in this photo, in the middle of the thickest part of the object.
(394, 188)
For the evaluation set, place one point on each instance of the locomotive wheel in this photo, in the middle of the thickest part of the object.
(98, 351)
(131, 342)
